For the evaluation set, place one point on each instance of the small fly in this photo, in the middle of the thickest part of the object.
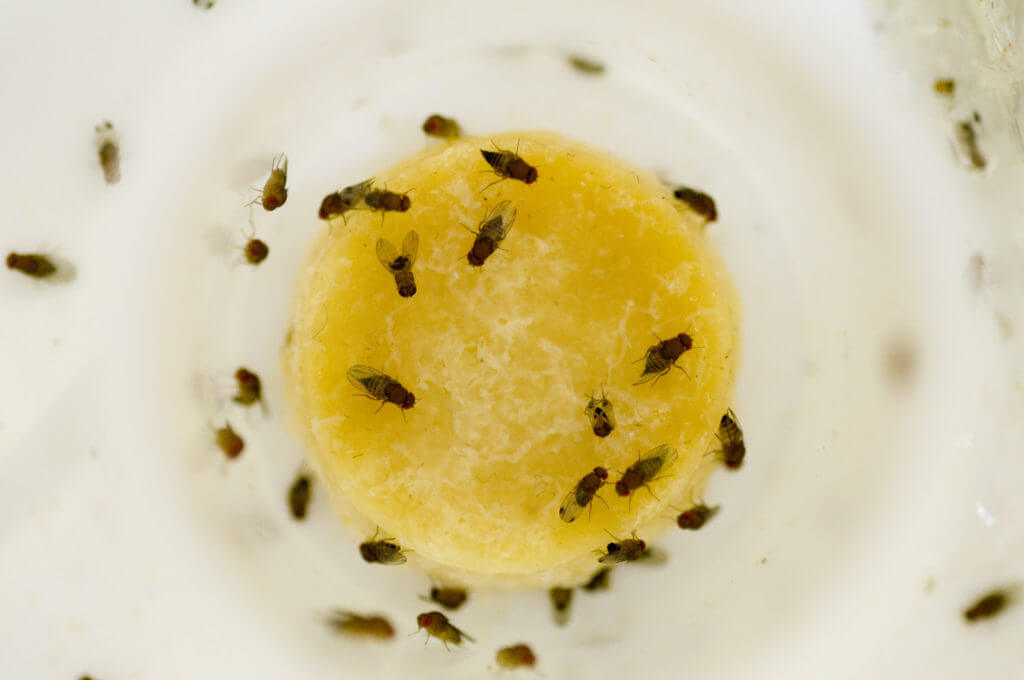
(299, 495)
(492, 231)
(229, 442)
(340, 202)
(659, 359)
(645, 469)
(36, 266)
(561, 599)
(581, 496)
(990, 605)
(109, 152)
(697, 201)
(601, 580)
(275, 191)
(439, 126)
(437, 625)
(696, 516)
(516, 656)
(382, 200)
(383, 551)
(509, 165)
(380, 386)
(351, 623)
(400, 266)
(601, 415)
(622, 551)
(250, 389)
(449, 598)
(733, 448)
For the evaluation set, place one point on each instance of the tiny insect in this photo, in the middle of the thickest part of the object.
(601, 415)
(382, 200)
(731, 436)
(601, 580)
(645, 469)
(516, 656)
(381, 551)
(695, 517)
(229, 442)
(380, 386)
(340, 202)
(561, 599)
(204, 4)
(698, 202)
(449, 598)
(351, 623)
(298, 496)
(509, 165)
(249, 388)
(988, 606)
(585, 65)
(492, 231)
(946, 86)
(36, 266)
(109, 152)
(275, 191)
(967, 138)
(622, 551)
(439, 126)
(659, 359)
(255, 251)
(400, 266)
(583, 494)
(437, 625)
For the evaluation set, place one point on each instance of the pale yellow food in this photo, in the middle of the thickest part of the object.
(501, 357)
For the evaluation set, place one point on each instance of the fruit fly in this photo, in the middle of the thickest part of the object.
(967, 138)
(580, 497)
(561, 598)
(340, 202)
(695, 517)
(988, 606)
(645, 469)
(731, 436)
(351, 623)
(109, 152)
(400, 266)
(698, 202)
(585, 65)
(382, 551)
(946, 86)
(449, 598)
(509, 165)
(601, 415)
(623, 551)
(229, 442)
(437, 625)
(659, 359)
(439, 126)
(601, 580)
(275, 193)
(516, 656)
(255, 251)
(382, 200)
(298, 496)
(380, 386)
(249, 388)
(36, 266)
(492, 231)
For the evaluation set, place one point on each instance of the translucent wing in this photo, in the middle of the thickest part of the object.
(664, 454)
(386, 253)
(506, 211)
(354, 193)
(570, 508)
(613, 557)
(410, 246)
(361, 375)
(462, 632)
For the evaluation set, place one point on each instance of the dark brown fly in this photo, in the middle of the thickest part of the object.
(510, 165)
(695, 517)
(250, 389)
(623, 551)
(36, 266)
(109, 152)
(516, 656)
(382, 200)
(299, 495)
(492, 231)
(351, 623)
(439, 126)
(698, 202)
(601, 580)
(645, 469)
(601, 415)
(255, 251)
(400, 266)
(383, 551)
(733, 448)
(659, 359)
(229, 442)
(583, 494)
(449, 598)
(380, 386)
(275, 191)
(991, 604)
(561, 599)
(437, 625)
(340, 202)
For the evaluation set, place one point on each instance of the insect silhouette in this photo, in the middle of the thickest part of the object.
(351, 623)
(437, 625)
(601, 415)
(250, 389)
(695, 516)
(439, 126)
(516, 656)
(733, 448)
(338, 203)
(382, 551)
(449, 598)
(299, 495)
(400, 266)
(229, 442)
(255, 251)
(382, 200)
(967, 138)
(275, 191)
(988, 606)
(36, 266)
(623, 551)
(509, 165)
(380, 386)
(601, 580)
(492, 231)
(645, 469)
(698, 201)
(659, 359)
(581, 496)
(109, 152)
(561, 599)
(585, 65)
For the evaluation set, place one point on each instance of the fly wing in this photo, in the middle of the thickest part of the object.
(660, 457)
(386, 253)
(462, 632)
(410, 247)
(361, 376)
(354, 193)
(570, 508)
(612, 558)
(506, 210)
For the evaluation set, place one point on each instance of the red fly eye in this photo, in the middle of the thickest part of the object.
(643, 545)
(686, 340)
(601, 472)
